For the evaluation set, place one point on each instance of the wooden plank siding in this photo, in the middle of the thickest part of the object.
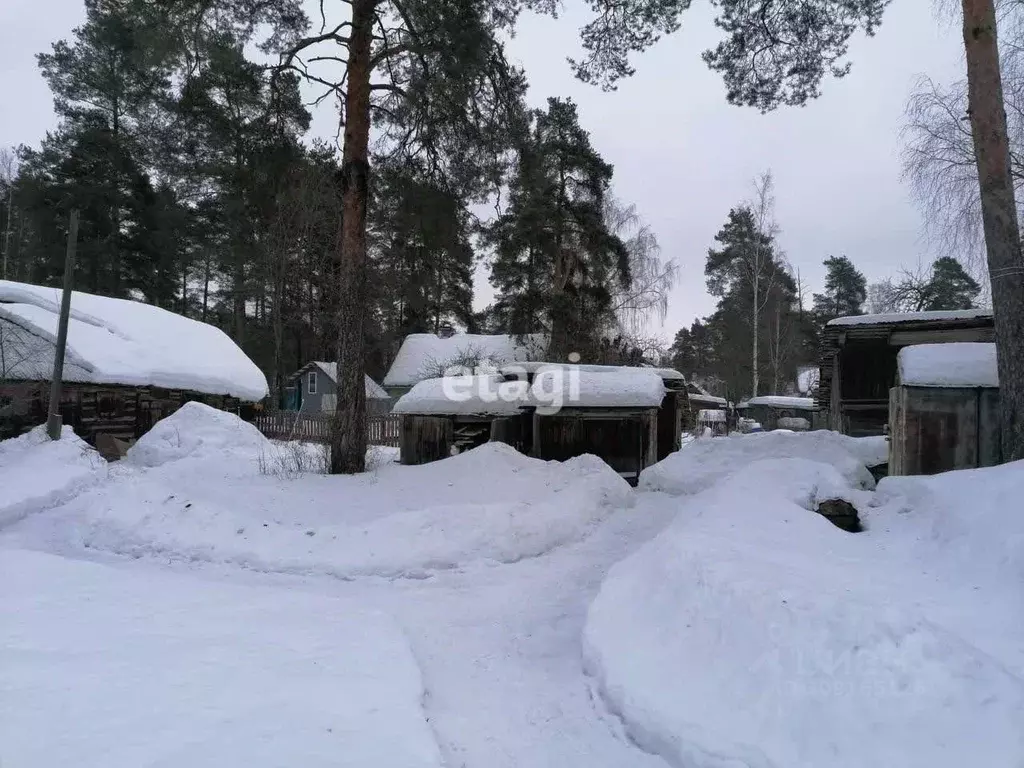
(936, 429)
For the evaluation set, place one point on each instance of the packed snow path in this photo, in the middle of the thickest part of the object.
(500, 652)
(498, 646)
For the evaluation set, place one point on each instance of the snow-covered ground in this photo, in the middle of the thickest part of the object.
(493, 610)
(36, 472)
(162, 670)
(752, 632)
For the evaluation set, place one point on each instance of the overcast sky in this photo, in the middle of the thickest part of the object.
(681, 154)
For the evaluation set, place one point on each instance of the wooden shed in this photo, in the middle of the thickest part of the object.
(699, 399)
(944, 409)
(444, 416)
(857, 360)
(611, 414)
(673, 412)
(549, 411)
(127, 364)
(779, 412)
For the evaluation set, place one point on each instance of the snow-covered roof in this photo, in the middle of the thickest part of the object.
(553, 388)
(954, 364)
(374, 391)
(486, 395)
(532, 366)
(117, 341)
(780, 401)
(912, 317)
(426, 355)
(704, 397)
(577, 387)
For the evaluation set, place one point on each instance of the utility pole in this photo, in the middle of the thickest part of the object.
(53, 420)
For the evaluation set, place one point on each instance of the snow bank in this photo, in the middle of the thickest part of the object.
(102, 667)
(489, 505)
(192, 430)
(966, 525)
(116, 341)
(425, 355)
(706, 462)
(956, 364)
(36, 472)
(752, 632)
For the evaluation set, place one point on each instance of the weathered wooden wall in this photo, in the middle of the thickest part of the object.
(670, 422)
(936, 429)
(626, 440)
(425, 438)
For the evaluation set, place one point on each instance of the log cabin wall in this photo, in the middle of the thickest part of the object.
(93, 409)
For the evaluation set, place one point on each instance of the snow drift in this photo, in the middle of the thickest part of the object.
(198, 430)
(203, 498)
(706, 462)
(101, 667)
(36, 472)
(752, 632)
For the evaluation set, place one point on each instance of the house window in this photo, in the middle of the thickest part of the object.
(311, 383)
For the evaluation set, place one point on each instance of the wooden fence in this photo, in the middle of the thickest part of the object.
(316, 427)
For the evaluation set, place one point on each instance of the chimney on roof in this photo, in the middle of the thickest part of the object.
(445, 331)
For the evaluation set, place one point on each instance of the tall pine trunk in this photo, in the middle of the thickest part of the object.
(754, 329)
(348, 428)
(999, 215)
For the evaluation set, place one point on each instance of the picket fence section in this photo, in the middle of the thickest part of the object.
(316, 427)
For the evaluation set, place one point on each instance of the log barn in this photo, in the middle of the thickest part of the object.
(944, 409)
(127, 364)
(857, 360)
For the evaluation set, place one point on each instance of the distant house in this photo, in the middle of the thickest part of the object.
(858, 360)
(779, 412)
(314, 388)
(427, 355)
(127, 364)
(944, 409)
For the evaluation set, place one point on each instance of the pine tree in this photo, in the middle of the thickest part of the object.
(845, 290)
(422, 255)
(950, 287)
(555, 257)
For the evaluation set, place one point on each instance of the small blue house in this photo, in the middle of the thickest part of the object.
(314, 389)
